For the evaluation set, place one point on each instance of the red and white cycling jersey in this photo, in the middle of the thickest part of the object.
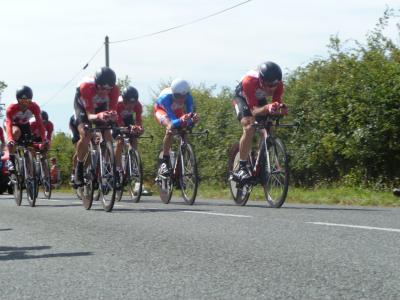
(92, 102)
(252, 90)
(35, 129)
(125, 115)
(15, 116)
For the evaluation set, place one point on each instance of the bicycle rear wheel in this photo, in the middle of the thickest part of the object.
(108, 176)
(30, 180)
(188, 178)
(17, 179)
(165, 186)
(240, 193)
(276, 177)
(46, 182)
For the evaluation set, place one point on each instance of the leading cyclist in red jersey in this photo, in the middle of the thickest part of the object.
(251, 104)
(17, 120)
(95, 101)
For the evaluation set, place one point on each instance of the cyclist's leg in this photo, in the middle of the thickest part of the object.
(162, 117)
(246, 120)
(16, 134)
(82, 147)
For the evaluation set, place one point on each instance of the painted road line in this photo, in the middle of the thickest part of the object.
(355, 226)
(215, 214)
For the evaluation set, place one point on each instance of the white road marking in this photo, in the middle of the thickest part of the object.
(215, 214)
(356, 226)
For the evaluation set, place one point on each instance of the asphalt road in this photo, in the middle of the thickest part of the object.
(212, 250)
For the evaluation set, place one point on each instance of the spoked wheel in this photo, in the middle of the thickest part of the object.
(17, 179)
(86, 191)
(108, 176)
(239, 192)
(276, 174)
(31, 183)
(165, 186)
(188, 179)
(134, 175)
(45, 172)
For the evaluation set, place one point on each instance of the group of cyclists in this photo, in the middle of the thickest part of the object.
(98, 100)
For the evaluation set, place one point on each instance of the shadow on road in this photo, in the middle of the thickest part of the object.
(16, 253)
(5, 229)
(150, 210)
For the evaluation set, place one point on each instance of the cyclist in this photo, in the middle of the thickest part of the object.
(95, 102)
(49, 127)
(396, 192)
(128, 106)
(17, 120)
(251, 104)
(174, 109)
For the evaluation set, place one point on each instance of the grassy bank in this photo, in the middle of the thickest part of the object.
(320, 195)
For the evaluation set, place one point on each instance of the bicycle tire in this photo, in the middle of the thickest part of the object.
(107, 180)
(165, 186)
(31, 180)
(17, 179)
(276, 182)
(135, 186)
(191, 175)
(86, 191)
(124, 162)
(46, 179)
(239, 194)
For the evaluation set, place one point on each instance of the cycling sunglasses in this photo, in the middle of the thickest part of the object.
(271, 84)
(104, 87)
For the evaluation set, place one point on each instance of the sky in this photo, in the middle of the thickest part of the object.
(45, 43)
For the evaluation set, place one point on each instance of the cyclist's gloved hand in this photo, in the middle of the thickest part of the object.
(140, 129)
(195, 118)
(11, 143)
(113, 115)
(272, 108)
(103, 116)
(283, 109)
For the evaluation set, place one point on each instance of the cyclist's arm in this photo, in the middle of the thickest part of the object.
(189, 103)
(8, 123)
(80, 111)
(138, 114)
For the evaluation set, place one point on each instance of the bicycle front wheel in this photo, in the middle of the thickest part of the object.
(30, 180)
(165, 184)
(240, 193)
(85, 192)
(17, 179)
(108, 176)
(134, 175)
(45, 172)
(275, 173)
(189, 178)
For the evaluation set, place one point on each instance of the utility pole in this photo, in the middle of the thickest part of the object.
(106, 43)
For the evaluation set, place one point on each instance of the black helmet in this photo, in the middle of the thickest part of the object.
(270, 71)
(130, 94)
(45, 116)
(105, 77)
(24, 92)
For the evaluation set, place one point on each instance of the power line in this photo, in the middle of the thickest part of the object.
(73, 78)
(182, 25)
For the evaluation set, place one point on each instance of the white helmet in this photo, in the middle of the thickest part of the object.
(180, 86)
